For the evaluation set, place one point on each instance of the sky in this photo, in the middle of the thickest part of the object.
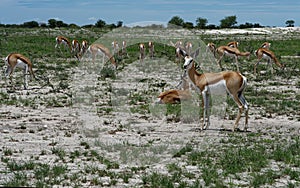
(84, 12)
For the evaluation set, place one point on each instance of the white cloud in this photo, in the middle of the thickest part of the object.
(92, 18)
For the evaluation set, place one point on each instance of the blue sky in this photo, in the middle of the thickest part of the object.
(82, 12)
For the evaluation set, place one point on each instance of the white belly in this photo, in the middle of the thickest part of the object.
(21, 64)
(229, 54)
(218, 88)
(64, 43)
(266, 57)
(101, 52)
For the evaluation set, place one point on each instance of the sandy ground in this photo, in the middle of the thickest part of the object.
(120, 134)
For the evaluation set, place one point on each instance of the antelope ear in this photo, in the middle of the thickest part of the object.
(182, 52)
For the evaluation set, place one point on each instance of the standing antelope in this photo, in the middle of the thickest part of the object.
(229, 51)
(267, 54)
(124, 47)
(115, 47)
(84, 46)
(60, 40)
(76, 49)
(188, 48)
(14, 60)
(231, 82)
(95, 49)
(142, 52)
(151, 49)
(212, 48)
(178, 45)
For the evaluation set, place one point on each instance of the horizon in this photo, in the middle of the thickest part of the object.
(130, 12)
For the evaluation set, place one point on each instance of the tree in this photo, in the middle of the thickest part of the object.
(201, 23)
(72, 25)
(290, 23)
(246, 25)
(176, 20)
(100, 23)
(211, 26)
(31, 24)
(228, 22)
(44, 25)
(111, 26)
(88, 26)
(188, 25)
(249, 25)
(61, 24)
(119, 24)
(52, 23)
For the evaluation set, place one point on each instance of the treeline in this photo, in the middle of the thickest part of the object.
(53, 23)
(227, 22)
(176, 21)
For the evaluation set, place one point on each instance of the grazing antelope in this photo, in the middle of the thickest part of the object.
(231, 82)
(84, 46)
(60, 40)
(15, 60)
(212, 47)
(95, 49)
(76, 49)
(142, 52)
(265, 53)
(229, 51)
(151, 49)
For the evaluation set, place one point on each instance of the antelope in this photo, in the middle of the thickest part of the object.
(211, 47)
(265, 53)
(14, 60)
(173, 96)
(233, 44)
(95, 49)
(124, 47)
(84, 46)
(232, 82)
(142, 52)
(115, 47)
(76, 49)
(188, 47)
(178, 45)
(266, 45)
(60, 40)
(151, 49)
(229, 51)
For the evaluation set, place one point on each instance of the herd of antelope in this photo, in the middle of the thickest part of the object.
(232, 82)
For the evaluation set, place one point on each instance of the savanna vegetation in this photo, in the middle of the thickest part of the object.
(266, 156)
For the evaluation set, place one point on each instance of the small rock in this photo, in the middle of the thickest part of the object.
(5, 131)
